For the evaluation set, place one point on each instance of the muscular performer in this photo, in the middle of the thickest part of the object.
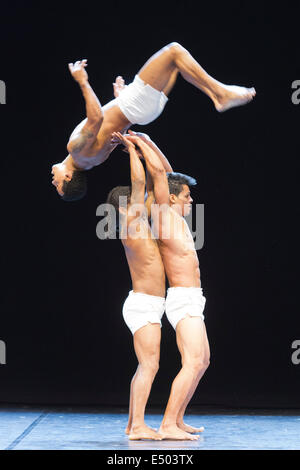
(145, 304)
(185, 301)
(141, 102)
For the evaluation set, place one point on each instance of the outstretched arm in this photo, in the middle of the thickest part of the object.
(80, 141)
(145, 138)
(149, 181)
(165, 162)
(155, 169)
(137, 172)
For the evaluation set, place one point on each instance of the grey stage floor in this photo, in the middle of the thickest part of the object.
(65, 428)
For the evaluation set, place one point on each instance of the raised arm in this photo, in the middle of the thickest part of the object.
(165, 162)
(137, 172)
(87, 135)
(156, 170)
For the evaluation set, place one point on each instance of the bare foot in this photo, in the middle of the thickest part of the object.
(127, 430)
(190, 429)
(143, 432)
(174, 433)
(233, 96)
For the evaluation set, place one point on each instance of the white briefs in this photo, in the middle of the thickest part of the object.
(140, 309)
(141, 103)
(184, 301)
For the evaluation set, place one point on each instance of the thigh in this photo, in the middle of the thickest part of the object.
(160, 70)
(192, 338)
(146, 342)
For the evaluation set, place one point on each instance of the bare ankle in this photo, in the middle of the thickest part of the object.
(138, 425)
(168, 424)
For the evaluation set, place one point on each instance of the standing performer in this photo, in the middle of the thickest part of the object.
(141, 102)
(185, 301)
(145, 304)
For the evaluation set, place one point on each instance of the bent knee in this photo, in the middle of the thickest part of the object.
(150, 367)
(206, 363)
(154, 368)
(174, 48)
(198, 364)
(174, 45)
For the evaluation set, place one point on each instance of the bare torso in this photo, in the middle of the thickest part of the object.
(178, 252)
(114, 121)
(145, 264)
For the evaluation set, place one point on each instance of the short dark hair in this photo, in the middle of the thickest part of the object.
(113, 198)
(76, 188)
(176, 180)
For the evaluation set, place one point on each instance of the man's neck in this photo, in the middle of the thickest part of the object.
(176, 209)
(70, 164)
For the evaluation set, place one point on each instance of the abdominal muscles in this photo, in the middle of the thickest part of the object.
(182, 266)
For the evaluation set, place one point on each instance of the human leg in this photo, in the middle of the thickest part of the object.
(190, 335)
(160, 72)
(180, 422)
(129, 424)
(147, 349)
(127, 430)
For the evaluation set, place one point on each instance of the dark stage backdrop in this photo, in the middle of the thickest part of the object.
(62, 288)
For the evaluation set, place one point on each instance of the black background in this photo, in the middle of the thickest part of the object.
(62, 288)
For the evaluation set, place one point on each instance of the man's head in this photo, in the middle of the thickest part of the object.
(180, 195)
(119, 198)
(70, 184)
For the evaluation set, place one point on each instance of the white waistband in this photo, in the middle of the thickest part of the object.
(186, 289)
(146, 295)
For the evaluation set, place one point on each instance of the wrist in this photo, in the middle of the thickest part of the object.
(83, 83)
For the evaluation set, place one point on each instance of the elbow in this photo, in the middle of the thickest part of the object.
(98, 119)
(71, 147)
(157, 172)
(95, 122)
(139, 182)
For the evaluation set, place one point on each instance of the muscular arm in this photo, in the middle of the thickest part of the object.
(145, 138)
(156, 170)
(137, 175)
(149, 196)
(166, 164)
(149, 181)
(137, 172)
(87, 135)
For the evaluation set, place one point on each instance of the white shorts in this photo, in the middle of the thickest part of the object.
(141, 103)
(184, 301)
(140, 309)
